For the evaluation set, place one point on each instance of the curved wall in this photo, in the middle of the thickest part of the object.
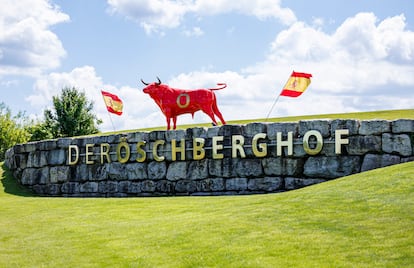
(225, 160)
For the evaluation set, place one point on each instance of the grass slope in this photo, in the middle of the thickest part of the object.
(386, 114)
(364, 220)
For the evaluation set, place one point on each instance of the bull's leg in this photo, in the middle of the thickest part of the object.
(174, 122)
(209, 111)
(168, 122)
(218, 113)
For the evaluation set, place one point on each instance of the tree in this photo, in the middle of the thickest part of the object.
(12, 129)
(72, 115)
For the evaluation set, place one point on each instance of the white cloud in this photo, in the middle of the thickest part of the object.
(358, 67)
(139, 109)
(27, 46)
(195, 31)
(366, 64)
(155, 15)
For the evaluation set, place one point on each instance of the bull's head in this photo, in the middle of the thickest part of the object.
(151, 87)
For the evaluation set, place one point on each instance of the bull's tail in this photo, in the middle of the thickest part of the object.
(221, 86)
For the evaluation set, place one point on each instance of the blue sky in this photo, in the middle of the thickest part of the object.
(360, 53)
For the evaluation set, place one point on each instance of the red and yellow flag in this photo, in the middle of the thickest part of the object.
(113, 103)
(296, 85)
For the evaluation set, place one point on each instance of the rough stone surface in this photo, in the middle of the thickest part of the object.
(374, 127)
(44, 167)
(399, 144)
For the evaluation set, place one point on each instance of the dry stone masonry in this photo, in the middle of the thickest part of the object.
(225, 160)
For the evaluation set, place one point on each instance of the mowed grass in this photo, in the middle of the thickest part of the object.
(363, 220)
(385, 114)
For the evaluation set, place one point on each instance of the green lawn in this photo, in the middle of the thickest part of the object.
(386, 114)
(363, 220)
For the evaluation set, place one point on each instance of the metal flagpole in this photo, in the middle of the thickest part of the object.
(274, 103)
(110, 118)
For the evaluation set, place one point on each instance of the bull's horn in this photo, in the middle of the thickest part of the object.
(144, 82)
(159, 81)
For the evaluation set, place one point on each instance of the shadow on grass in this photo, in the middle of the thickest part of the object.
(11, 186)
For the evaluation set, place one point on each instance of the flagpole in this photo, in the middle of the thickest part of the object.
(110, 118)
(271, 109)
(274, 103)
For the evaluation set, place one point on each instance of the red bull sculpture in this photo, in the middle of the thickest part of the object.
(174, 102)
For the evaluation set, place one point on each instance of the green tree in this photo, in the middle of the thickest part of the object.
(72, 115)
(12, 129)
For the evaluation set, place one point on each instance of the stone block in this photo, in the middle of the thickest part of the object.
(223, 168)
(164, 186)
(198, 170)
(236, 184)
(267, 184)
(249, 168)
(282, 166)
(57, 157)
(252, 129)
(284, 128)
(175, 135)
(397, 143)
(70, 188)
(374, 127)
(177, 171)
(351, 125)
(402, 126)
(360, 145)
(373, 161)
(157, 170)
(331, 167)
(29, 176)
(323, 126)
(89, 187)
(273, 166)
(37, 159)
(108, 187)
(186, 186)
(211, 185)
(136, 171)
(116, 171)
(196, 132)
(59, 174)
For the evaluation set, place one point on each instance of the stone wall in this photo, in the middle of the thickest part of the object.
(225, 160)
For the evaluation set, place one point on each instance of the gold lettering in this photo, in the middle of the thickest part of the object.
(198, 149)
(123, 145)
(141, 152)
(175, 149)
(288, 143)
(237, 142)
(76, 149)
(89, 153)
(105, 153)
(262, 146)
(339, 141)
(217, 147)
(319, 142)
(155, 148)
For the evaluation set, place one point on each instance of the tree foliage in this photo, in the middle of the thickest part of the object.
(12, 129)
(72, 115)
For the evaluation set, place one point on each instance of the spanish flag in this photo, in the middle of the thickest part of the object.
(113, 103)
(296, 85)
